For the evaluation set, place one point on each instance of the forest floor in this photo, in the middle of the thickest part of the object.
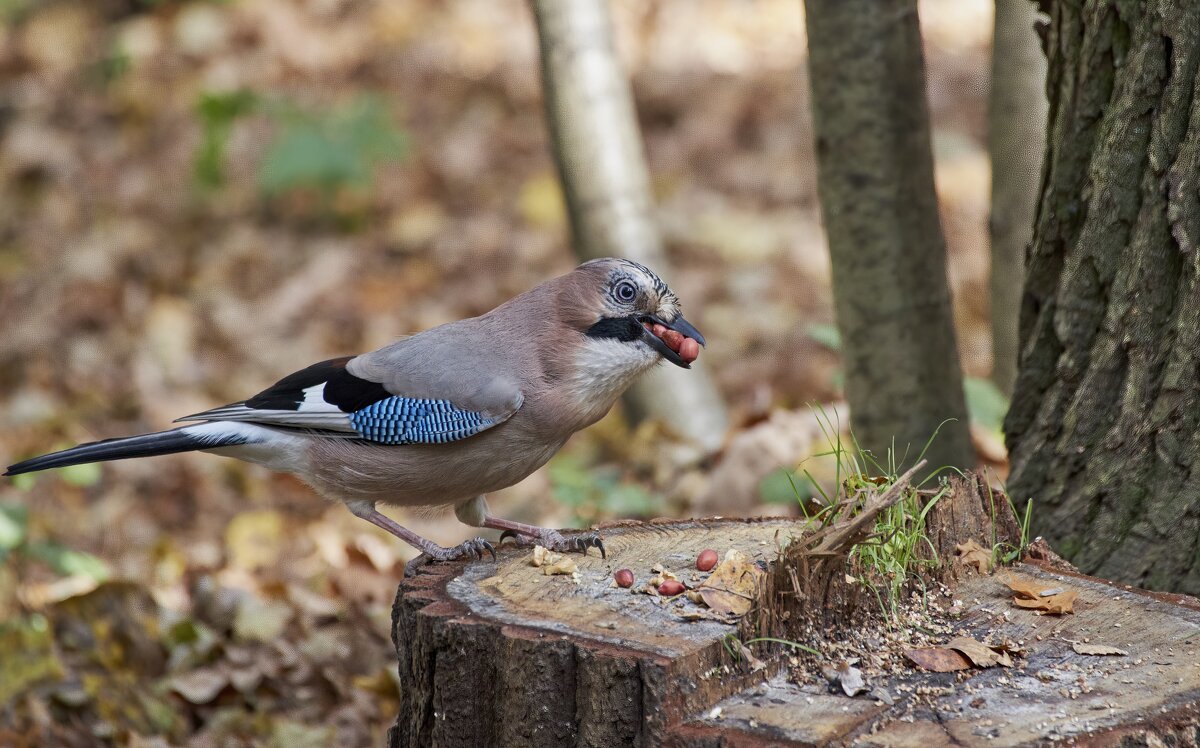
(197, 198)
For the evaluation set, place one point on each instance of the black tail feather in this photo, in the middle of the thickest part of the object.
(145, 445)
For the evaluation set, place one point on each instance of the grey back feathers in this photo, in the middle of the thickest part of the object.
(449, 413)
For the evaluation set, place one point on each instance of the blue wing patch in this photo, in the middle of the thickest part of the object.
(406, 420)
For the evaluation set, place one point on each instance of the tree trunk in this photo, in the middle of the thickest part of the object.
(890, 290)
(598, 150)
(1016, 143)
(1104, 429)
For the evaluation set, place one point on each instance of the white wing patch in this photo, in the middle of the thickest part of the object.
(314, 399)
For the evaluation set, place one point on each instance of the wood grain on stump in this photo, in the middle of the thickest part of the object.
(500, 655)
(1052, 695)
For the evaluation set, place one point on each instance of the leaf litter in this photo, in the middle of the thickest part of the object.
(972, 554)
(198, 591)
(731, 586)
(1045, 600)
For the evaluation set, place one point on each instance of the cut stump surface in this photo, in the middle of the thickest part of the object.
(498, 654)
(502, 655)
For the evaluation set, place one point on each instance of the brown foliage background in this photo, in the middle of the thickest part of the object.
(132, 294)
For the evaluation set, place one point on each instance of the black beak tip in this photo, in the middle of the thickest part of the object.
(684, 327)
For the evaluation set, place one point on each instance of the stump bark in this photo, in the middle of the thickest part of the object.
(497, 654)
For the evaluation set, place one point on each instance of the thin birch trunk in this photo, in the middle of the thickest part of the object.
(1017, 143)
(598, 150)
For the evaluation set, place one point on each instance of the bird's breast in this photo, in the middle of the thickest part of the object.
(425, 474)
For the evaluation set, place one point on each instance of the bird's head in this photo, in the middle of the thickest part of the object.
(625, 310)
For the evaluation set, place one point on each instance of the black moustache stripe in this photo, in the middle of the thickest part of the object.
(624, 329)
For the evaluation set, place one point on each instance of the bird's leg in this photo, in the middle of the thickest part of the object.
(475, 547)
(474, 512)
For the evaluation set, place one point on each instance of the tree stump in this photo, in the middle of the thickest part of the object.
(497, 654)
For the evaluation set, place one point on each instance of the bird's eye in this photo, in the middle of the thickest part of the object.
(625, 291)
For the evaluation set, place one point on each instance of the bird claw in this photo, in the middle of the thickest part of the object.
(555, 541)
(473, 548)
(587, 540)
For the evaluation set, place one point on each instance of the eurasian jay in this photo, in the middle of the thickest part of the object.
(450, 414)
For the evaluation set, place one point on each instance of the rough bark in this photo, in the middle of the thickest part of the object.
(1016, 143)
(598, 150)
(1104, 429)
(890, 289)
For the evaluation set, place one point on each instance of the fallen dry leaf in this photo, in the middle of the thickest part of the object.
(1046, 600)
(745, 653)
(938, 659)
(1055, 605)
(732, 585)
(847, 676)
(1024, 588)
(980, 654)
(1097, 649)
(971, 553)
(199, 686)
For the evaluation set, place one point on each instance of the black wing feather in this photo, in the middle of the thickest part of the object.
(348, 392)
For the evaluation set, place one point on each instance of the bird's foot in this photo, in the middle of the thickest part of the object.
(473, 548)
(556, 541)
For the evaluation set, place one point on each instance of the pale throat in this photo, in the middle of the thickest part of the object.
(604, 368)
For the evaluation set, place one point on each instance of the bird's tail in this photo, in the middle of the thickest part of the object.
(186, 439)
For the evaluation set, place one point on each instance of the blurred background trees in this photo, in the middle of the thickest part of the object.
(197, 197)
(1017, 139)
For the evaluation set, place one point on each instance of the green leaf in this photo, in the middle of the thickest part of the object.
(782, 487)
(985, 403)
(87, 474)
(14, 525)
(594, 494)
(68, 562)
(217, 112)
(628, 500)
(289, 734)
(826, 335)
(261, 620)
(331, 150)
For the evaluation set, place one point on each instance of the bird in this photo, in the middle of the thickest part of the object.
(450, 414)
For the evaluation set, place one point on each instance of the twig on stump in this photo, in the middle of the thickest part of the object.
(810, 574)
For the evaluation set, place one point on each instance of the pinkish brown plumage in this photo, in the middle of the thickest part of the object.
(450, 414)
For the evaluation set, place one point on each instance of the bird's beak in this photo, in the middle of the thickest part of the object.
(677, 341)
